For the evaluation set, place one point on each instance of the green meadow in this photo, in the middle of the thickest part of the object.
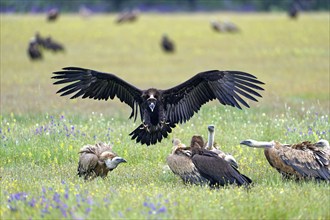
(41, 132)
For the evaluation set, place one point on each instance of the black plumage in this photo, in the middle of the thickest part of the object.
(214, 168)
(167, 44)
(34, 51)
(161, 110)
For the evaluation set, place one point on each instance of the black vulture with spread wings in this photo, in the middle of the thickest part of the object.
(161, 110)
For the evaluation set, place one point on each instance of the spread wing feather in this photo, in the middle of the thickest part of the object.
(97, 85)
(185, 99)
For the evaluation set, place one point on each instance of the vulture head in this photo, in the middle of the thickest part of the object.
(258, 144)
(151, 96)
(111, 160)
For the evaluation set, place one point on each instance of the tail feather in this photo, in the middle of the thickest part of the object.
(152, 135)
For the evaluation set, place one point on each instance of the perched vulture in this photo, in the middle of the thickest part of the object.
(215, 169)
(226, 26)
(180, 163)
(302, 161)
(161, 110)
(210, 145)
(34, 50)
(97, 160)
(52, 14)
(293, 11)
(128, 16)
(167, 44)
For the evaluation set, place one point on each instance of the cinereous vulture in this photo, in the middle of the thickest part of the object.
(179, 161)
(97, 160)
(214, 168)
(167, 44)
(302, 161)
(161, 110)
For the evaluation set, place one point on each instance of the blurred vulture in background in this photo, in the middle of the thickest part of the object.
(181, 164)
(293, 10)
(52, 14)
(215, 169)
(52, 45)
(167, 44)
(212, 146)
(34, 50)
(161, 110)
(302, 161)
(128, 16)
(97, 160)
(225, 26)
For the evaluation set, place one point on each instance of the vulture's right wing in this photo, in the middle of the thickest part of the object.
(97, 85)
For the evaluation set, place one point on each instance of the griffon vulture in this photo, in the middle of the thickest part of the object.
(302, 161)
(128, 16)
(210, 145)
(52, 45)
(181, 164)
(161, 110)
(167, 44)
(97, 160)
(214, 168)
(226, 26)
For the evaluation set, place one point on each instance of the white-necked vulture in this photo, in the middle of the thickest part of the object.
(97, 160)
(161, 110)
(302, 161)
(211, 145)
(181, 164)
(167, 44)
(214, 168)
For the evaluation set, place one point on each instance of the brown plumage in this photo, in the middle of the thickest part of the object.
(97, 160)
(128, 16)
(180, 163)
(302, 161)
(214, 168)
(161, 110)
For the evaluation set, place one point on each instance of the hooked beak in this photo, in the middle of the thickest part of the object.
(152, 106)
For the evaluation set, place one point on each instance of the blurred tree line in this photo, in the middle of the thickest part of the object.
(159, 5)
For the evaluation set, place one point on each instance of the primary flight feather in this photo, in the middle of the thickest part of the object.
(161, 110)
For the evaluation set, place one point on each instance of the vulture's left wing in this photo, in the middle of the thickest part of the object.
(182, 101)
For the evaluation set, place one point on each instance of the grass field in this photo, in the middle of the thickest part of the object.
(41, 133)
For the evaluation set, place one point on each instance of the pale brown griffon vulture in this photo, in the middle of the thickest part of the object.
(302, 161)
(179, 161)
(97, 160)
(161, 110)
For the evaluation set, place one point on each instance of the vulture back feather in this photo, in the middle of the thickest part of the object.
(214, 168)
(302, 161)
(97, 160)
